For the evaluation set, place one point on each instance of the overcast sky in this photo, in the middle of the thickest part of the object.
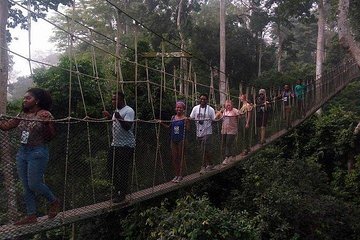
(40, 46)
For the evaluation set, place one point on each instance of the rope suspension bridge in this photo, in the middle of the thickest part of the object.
(77, 171)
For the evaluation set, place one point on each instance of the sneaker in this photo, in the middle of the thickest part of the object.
(179, 179)
(203, 170)
(54, 208)
(226, 161)
(26, 220)
(174, 179)
(209, 168)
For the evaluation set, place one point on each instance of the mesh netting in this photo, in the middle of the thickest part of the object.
(83, 171)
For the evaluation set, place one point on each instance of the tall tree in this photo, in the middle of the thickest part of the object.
(320, 46)
(183, 62)
(346, 38)
(3, 55)
(281, 13)
(6, 160)
(222, 83)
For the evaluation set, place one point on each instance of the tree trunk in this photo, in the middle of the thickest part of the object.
(118, 72)
(3, 56)
(345, 37)
(184, 84)
(320, 50)
(222, 82)
(260, 54)
(6, 160)
(280, 49)
(320, 44)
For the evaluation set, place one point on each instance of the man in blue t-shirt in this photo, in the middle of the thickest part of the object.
(121, 152)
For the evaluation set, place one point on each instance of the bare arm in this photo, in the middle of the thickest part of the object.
(164, 124)
(248, 118)
(6, 125)
(49, 128)
(187, 123)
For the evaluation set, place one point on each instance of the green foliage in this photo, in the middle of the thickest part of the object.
(335, 53)
(346, 184)
(14, 107)
(354, 10)
(291, 199)
(18, 88)
(274, 78)
(348, 98)
(332, 138)
(17, 17)
(191, 218)
(57, 81)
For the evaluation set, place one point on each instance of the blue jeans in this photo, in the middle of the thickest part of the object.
(31, 164)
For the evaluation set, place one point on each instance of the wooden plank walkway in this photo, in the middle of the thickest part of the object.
(75, 215)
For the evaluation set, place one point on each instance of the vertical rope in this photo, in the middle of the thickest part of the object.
(147, 81)
(161, 78)
(118, 71)
(29, 36)
(254, 107)
(174, 83)
(134, 172)
(86, 115)
(96, 75)
(136, 69)
(67, 149)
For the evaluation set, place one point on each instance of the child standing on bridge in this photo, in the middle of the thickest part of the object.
(178, 126)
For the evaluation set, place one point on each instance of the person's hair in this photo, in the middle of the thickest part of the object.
(204, 95)
(263, 91)
(120, 95)
(243, 96)
(228, 101)
(42, 96)
(182, 103)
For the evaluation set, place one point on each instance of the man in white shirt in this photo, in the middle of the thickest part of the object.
(203, 114)
(121, 152)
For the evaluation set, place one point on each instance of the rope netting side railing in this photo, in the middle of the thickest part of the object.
(92, 178)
